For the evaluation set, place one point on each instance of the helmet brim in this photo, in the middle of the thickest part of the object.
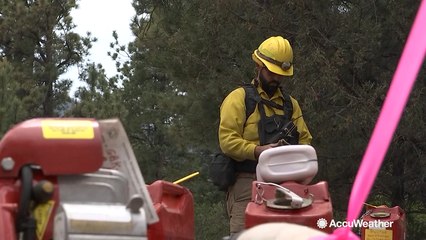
(272, 67)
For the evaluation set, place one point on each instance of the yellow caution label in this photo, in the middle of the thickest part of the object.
(67, 129)
(378, 234)
(42, 214)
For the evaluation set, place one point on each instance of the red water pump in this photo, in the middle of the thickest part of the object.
(79, 179)
(282, 192)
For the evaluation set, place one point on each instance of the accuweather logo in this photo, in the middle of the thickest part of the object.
(323, 223)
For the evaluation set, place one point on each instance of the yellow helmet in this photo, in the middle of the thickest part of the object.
(276, 54)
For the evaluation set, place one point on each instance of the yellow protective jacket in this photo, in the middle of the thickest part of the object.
(238, 137)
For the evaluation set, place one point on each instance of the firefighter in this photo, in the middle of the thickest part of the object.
(239, 136)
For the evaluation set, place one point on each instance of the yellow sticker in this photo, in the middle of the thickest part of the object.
(378, 234)
(67, 129)
(42, 214)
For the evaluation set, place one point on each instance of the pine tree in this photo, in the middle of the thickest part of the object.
(36, 37)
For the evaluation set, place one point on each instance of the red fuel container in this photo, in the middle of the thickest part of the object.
(320, 208)
(174, 205)
(384, 223)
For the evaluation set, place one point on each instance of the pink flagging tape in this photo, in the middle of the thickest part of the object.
(402, 83)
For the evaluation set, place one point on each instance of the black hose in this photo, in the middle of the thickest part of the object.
(24, 221)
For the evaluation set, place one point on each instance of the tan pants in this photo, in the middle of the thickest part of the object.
(239, 195)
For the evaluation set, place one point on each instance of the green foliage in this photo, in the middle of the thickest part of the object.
(101, 98)
(206, 214)
(36, 37)
(187, 55)
(344, 61)
(10, 105)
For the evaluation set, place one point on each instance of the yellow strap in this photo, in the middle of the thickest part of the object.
(369, 205)
(186, 178)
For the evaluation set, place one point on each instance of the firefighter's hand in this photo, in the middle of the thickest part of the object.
(259, 149)
(282, 142)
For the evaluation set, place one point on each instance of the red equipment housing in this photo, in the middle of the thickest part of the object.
(55, 151)
(41, 150)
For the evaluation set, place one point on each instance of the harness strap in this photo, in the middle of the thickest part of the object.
(252, 99)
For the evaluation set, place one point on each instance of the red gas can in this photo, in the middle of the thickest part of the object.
(384, 223)
(175, 208)
(320, 206)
